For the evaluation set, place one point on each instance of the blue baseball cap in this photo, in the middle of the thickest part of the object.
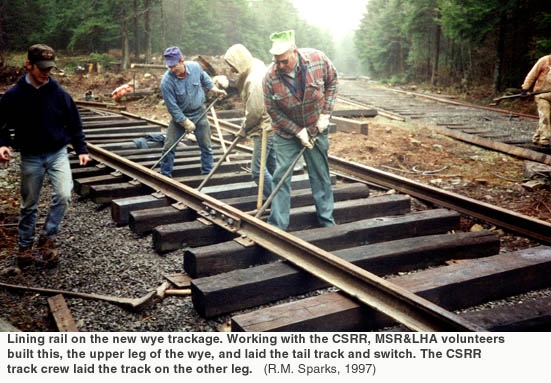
(172, 55)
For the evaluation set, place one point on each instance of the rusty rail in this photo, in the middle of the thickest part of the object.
(516, 222)
(405, 307)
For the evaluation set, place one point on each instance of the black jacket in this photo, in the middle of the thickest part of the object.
(43, 120)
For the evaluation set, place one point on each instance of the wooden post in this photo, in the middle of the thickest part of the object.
(219, 131)
(61, 313)
(264, 144)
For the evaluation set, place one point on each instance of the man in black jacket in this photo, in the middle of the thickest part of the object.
(44, 120)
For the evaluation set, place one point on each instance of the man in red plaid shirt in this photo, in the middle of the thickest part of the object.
(300, 89)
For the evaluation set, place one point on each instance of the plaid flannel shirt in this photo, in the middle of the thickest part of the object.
(290, 113)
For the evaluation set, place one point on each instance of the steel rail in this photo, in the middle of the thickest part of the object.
(507, 219)
(414, 312)
(460, 103)
(397, 116)
(515, 222)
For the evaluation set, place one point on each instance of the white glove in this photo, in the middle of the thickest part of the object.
(188, 125)
(221, 81)
(218, 92)
(304, 138)
(323, 122)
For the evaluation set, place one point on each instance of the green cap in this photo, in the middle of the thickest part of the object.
(282, 42)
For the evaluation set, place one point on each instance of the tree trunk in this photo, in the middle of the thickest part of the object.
(3, 46)
(125, 44)
(435, 58)
(147, 28)
(163, 25)
(136, 32)
(500, 52)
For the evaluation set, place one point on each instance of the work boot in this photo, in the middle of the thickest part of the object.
(48, 252)
(25, 256)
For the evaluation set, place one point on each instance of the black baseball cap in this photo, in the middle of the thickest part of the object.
(41, 55)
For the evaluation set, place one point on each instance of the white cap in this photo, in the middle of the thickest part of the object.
(282, 42)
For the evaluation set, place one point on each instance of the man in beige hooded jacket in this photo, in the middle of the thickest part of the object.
(540, 77)
(250, 73)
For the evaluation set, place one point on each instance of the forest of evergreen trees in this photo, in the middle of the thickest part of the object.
(492, 43)
(147, 27)
(462, 43)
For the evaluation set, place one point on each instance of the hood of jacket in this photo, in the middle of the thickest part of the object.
(239, 57)
(249, 85)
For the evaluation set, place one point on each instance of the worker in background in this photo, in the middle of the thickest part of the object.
(250, 73)
(540, 78)
(45, 120)
(300, 89)
(183, 88)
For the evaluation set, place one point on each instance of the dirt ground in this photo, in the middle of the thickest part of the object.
(419, 154)
(405, 149)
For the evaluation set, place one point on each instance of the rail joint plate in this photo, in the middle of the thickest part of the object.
(223, 219)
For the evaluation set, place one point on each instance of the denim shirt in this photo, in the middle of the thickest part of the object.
(184, 97)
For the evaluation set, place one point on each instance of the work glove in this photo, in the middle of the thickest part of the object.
(218, 92)
(304, 138)
(221, 81)
(242, 132)
(323, 122)
(188, 125)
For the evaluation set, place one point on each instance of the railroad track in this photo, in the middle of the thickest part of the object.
(364, 265)
(490, 127)
(394, 258)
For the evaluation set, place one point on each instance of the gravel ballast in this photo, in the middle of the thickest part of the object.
(97, 257)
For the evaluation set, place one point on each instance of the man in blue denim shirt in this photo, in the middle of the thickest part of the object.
(44, 119)
(183, 88)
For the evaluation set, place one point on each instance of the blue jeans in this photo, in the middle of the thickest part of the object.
(318, 173)
(173, 135)
(33, 169)
(270, 163)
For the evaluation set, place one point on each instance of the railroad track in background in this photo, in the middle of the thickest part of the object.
(487, 126)
(392, 258)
